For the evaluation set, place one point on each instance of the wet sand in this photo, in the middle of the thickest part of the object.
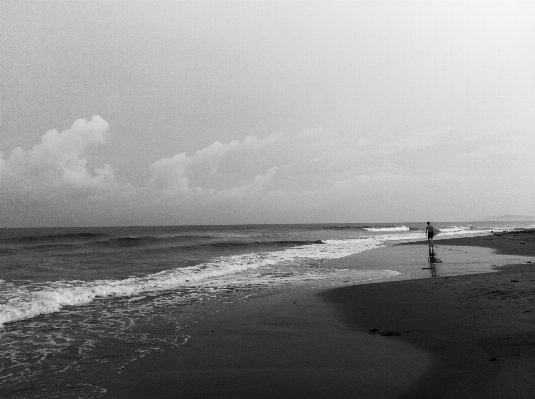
(468, 336)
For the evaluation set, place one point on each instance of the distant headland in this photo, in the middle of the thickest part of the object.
(509, 218)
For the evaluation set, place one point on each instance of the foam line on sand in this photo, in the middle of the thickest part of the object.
(446, 337)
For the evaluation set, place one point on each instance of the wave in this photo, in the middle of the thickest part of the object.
(370, 228)
(8, 251)
(184, 242)
(24, 302)
(51, 237)
(134, 240)
(235, 244)
(59, 247)
(386, 229)
(342, 227)
(449, 230)
(30, 301)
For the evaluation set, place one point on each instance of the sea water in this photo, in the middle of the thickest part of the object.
(78, 304)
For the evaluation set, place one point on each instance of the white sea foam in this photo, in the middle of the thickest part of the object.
(461, 230)
(23, 302)
(454, 229)
(386, 229)
(29, 301)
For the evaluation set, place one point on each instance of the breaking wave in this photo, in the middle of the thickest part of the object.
(28, 301)
(386, 229)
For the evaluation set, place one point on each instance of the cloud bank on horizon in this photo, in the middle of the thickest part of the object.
(278, 178)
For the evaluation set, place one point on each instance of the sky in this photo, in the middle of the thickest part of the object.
(200, 112)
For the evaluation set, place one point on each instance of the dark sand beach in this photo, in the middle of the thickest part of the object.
(465, 336)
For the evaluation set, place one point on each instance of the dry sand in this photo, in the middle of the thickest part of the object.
(468, 336)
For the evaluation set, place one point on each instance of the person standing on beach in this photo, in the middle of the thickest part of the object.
(430, 232)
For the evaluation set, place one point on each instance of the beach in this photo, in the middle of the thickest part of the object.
(409, 336)
(79, 304)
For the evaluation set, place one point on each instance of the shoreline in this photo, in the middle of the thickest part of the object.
(450, 336)
(516, 242)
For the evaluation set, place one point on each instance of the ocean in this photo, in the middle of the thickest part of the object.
(78, 304)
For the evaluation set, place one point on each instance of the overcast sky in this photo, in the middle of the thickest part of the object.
(147, 112)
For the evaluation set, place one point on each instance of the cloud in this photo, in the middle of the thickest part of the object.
(248, 166)
(216, 168)
(51, 183)
(58, 161)
(170, 173)
(252, 189)
(317, 175)
(284, 177)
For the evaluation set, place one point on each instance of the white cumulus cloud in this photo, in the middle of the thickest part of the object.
(316, 175)
(58, 160)
(51, 183)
